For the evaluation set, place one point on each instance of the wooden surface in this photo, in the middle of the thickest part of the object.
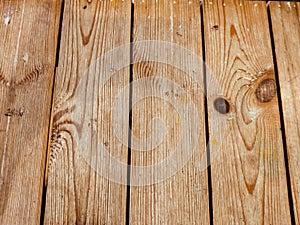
(164, 89)
(28, 31)
(248, 174)
(89, 116)
(286, 29)
(76, 193)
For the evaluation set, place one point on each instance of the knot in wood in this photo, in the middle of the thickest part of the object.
(221, 105)
(266, 90)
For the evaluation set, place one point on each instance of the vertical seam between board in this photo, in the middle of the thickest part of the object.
(209, 181)
(130, 118)
(288, 179)
(45, 178)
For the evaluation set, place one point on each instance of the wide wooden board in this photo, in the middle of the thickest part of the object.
(248, 171)
(28, 31)
(168, 175)
(81, 188)
(286, 29)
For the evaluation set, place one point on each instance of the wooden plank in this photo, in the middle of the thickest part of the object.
(80, 190)
(286, 28)
(167, 185)
(248, 172)
(28, 31)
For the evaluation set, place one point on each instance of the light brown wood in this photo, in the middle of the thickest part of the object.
(248, 172)
(286, 29)
(28, 31)
(77, 190)
(167, 78)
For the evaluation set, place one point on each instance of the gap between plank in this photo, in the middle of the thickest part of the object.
(209, 182)
(130, 118)
(62, 9)
(282, 125)
(45, 178)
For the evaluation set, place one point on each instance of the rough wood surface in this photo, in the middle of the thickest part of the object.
(166, 81)
(286, 29)
(28, 31)
(248, 173)
(78, 192)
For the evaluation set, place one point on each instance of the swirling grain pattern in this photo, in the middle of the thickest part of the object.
(26, 28)
(248, 176)
(76, 192)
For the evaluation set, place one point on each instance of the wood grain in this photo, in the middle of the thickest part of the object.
(286, 29)
(248, 173)
(28, 31)
(77, 190)
(166, 80)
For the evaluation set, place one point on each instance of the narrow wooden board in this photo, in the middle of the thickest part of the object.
(286, 29)
(28, 31)
(248, 171)
(80, 189)
(167, 187)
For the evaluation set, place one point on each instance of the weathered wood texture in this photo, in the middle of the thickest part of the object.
(83, 100)
(28, 31)
(286, 29)
(166, 81)
(248, 173)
